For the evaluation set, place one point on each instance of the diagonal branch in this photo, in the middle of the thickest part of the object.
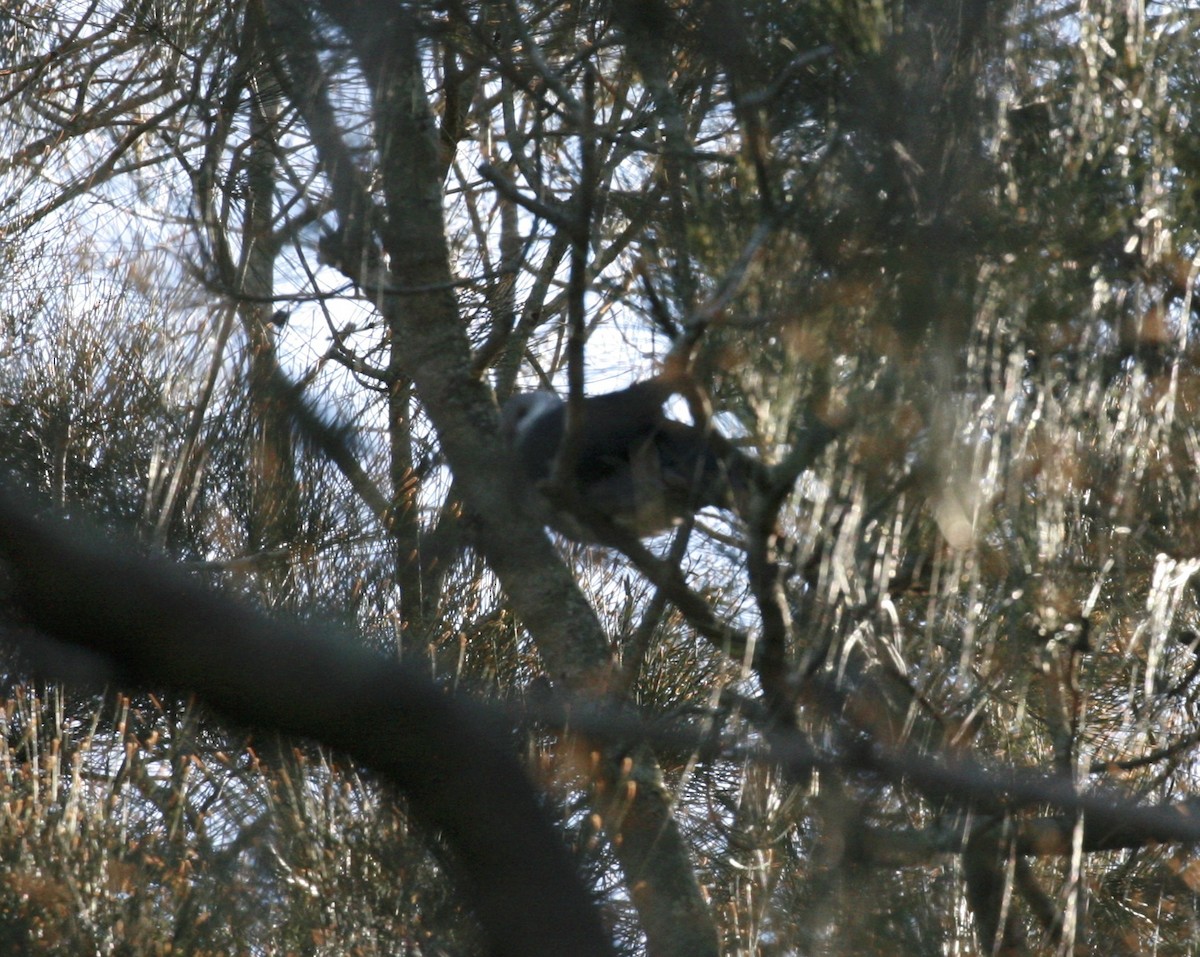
(456, 767)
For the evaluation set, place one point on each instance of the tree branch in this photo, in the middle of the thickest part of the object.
(454, 765)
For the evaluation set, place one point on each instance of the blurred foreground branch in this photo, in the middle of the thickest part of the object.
(454, 765)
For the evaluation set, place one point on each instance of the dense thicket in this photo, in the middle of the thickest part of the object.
(267, 268)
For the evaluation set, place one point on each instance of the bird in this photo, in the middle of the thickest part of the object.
(634, 467)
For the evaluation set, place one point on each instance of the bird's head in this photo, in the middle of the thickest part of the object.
(522, 410)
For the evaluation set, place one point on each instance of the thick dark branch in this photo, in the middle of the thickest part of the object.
(453, 763)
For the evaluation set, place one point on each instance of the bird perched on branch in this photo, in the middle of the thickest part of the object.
(632, 466)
